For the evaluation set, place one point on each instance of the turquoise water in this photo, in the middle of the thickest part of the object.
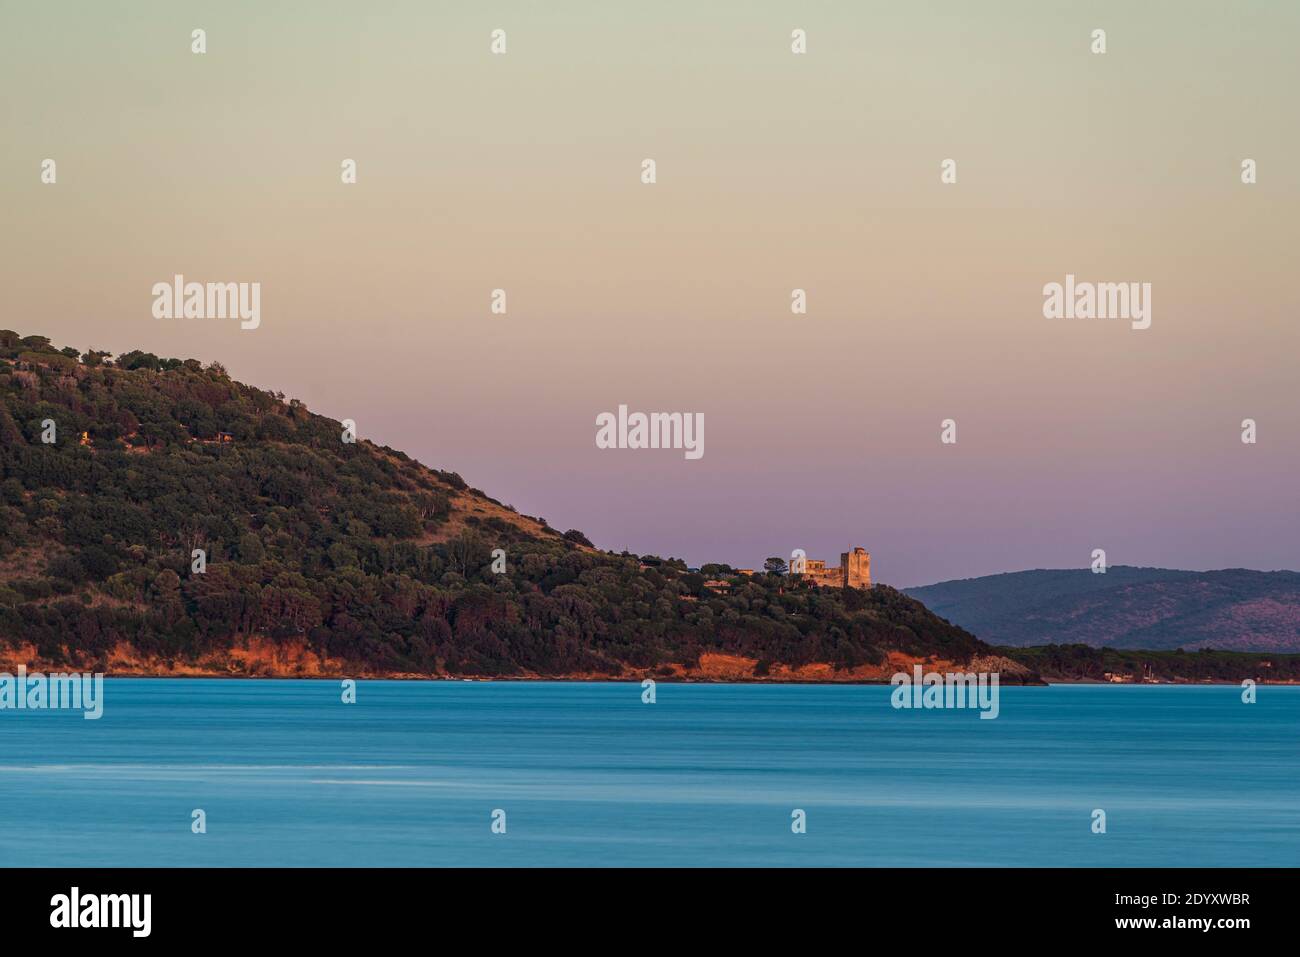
(708, 775)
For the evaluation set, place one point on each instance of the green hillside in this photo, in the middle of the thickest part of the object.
(349, 552)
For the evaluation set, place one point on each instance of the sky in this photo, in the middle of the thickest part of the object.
(522, 171)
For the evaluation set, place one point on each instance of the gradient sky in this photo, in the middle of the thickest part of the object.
(775, 171)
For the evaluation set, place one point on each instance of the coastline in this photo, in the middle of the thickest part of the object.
(614, 679)
(261, 658)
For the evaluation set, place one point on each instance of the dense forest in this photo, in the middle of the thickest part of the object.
(118, 473)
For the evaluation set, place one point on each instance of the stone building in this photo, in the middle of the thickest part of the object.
(853, 571)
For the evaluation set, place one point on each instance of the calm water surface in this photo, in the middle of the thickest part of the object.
(588, 775)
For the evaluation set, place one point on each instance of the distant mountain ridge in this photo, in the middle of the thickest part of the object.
(1126, 607)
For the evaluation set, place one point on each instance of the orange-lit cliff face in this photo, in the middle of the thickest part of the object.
(263, 658)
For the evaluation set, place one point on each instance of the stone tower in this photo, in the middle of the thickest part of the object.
(855, 566)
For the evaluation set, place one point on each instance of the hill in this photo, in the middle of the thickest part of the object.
(322, 556)
(1150, 608)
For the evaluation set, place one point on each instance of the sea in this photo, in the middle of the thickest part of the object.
(230, 772)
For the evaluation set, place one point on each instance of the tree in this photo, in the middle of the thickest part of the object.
(775, 566)
(466, 551)
(135, 359)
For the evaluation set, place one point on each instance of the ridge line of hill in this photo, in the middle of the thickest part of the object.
(159, 517)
